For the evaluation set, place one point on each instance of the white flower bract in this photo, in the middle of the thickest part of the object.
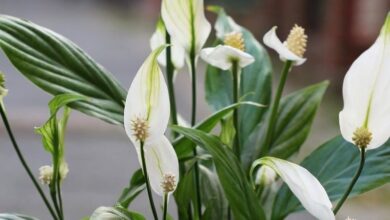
(222, 56)
(187, 22)
(271, 40)
(148, 99)
(366, 91)
(304, 185)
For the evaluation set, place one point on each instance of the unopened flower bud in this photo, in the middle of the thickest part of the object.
(235, 40)
(297, 40)
(362, 137)
(3, 90)
(140, 128)
(168, 184)
(265, 176)
(46, 174)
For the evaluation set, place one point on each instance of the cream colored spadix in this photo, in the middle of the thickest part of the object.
(146, 118)
(158, 40)
(304, 185)
(186, 21)
(366, 92)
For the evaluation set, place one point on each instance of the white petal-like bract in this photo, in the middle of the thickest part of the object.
(271, 40)
(187, 22)
(108, 213)
(222, 56)
(158, 40)
(160, 159)
(366, 90)
(304, 185)
(148, 99)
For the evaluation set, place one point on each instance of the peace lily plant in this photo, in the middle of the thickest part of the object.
(239, 162)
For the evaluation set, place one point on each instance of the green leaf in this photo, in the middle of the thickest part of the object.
(295, 117)
(212, 195)
(130, 214)
(235, 184)
(136, 186)
(334, 164)
(62, 100)
(255, 79)
(183, 146)
(8, 216)
(58, 66)
(184, 193)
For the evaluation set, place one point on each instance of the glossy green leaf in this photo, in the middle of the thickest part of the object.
(255, 79)
(334, 164)
(61, 100)
(183, 146)
(8, 216)
(238, 191)
(212, 195)
(295, 117)
(184, 193)
(58, 66)
(136, 186)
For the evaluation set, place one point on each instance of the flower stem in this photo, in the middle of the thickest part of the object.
(53, 185)
(60, 196)
(171, 89)
(274, 108)
(354, 180)
(236, 87)
(22, 160)
(165, 208)
(147, 182)
(193, 120)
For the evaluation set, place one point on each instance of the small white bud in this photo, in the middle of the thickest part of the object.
(46, 174)
(265, 176)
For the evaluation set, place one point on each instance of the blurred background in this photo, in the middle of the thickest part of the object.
(116, 34)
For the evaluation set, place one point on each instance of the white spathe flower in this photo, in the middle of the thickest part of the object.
(146, 118)
(233, 50)
(187, 22)
(108, 213)
(292, 49)
(304, 185)
(366, 90)
(148, 100)
(177, 52)
(223, 56)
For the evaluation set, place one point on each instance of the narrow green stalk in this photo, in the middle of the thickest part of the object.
(147, 182)
(54, 182)
(60, 196)
(236, 87)
(170, 70)
(53, 195)
(24, 163)
(165, 208)
(354, 180)
(193, 120)
(274, 108)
